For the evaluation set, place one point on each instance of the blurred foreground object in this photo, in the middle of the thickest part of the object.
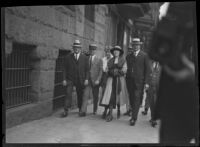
(174, 46)
(173, 34)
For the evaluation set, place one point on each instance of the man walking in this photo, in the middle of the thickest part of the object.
(137, 77)
(152, 92)
(75, 74)
(128, 107)
(95, 74)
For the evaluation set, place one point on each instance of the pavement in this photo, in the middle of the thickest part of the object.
(89, 129)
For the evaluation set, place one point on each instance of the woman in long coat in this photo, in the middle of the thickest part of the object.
(116, 91)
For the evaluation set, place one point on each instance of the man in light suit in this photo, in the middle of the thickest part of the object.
(105, 60)
(95, 74)
(137, 77)
(76, 73)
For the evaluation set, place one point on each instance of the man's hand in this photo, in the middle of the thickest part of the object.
(96, 82)
(64, 83)
(106, 69)
(86, 82)
(146, 87)
(188, 72)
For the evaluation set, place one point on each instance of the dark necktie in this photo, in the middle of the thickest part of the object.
(135, 54)
(76, 57)
(90, 61)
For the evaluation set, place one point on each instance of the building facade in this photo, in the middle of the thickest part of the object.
(36, 40)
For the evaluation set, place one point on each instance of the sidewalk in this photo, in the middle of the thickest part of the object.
(89, 129)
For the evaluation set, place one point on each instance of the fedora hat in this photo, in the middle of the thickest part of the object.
(92, 47)
(77, 44)
(136, 41)
(117, 48)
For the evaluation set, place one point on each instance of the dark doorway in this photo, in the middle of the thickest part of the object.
(59, 89)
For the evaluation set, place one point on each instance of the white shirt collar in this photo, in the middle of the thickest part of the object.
(116, 60)
(93, 57)
(137, 52)
(77, 55)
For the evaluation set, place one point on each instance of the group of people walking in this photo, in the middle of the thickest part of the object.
(123, 80)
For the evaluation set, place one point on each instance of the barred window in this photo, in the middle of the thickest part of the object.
(89, 12)
(17, 76)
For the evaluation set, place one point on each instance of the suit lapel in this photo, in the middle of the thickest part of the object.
(94, 60)
(73, 57)
(139, 55)
(80, 57)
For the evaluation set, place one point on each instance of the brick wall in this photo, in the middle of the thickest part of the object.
(48, 28)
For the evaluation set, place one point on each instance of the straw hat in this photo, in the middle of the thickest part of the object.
(92, 47)
(117, 48)
(77, 44)
(136, 41)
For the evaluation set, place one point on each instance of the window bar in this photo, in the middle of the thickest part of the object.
(21, 95)
(6, 77)
(21, 91)
(23, 71)
(28, 79)
(19, 77)
(16, 75)
(10, 78)
(17, 97)
(14, 98)
(10, 102)
(11, 96)
(6, 101)
(26, 90)
(24, 77)
(14, 63)
(6, 73)
(7, 98)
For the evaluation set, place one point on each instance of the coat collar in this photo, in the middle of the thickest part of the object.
(139, 54)
(73, 57)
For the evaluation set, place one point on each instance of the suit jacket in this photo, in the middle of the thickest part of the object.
(96, 70)
(138, 68)
(76, 70)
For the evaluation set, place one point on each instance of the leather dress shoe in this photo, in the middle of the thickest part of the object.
(144, 112)
(118, 114)
(64, 114)
(128, 113)
(153, 123)
(82, 114)
(103, 115)
(132, 122)
(109, 118)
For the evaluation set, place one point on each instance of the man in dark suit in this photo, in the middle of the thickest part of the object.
(128, 108)
(76, 74)
(177, 104)
(137, 77)
(95, 74)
